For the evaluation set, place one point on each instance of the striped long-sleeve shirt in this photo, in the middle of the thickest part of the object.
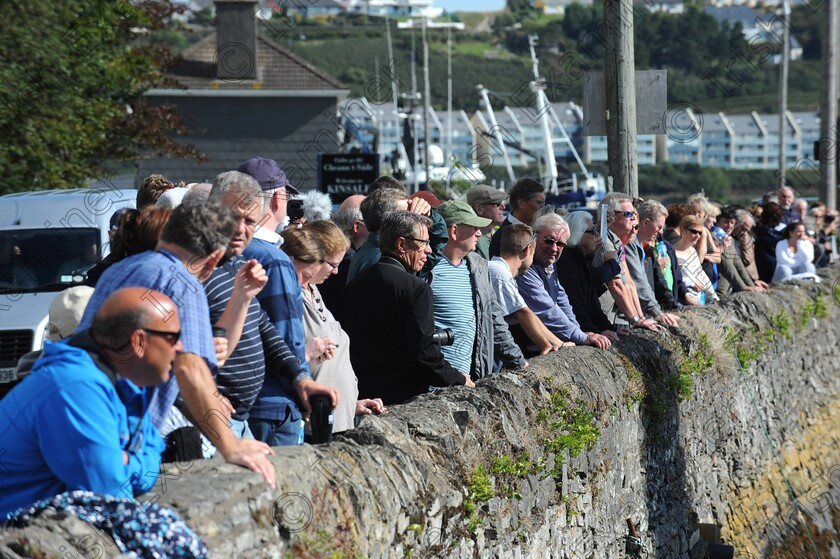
(161, 271)
(260, 347)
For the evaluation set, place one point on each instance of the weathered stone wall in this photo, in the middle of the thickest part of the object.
(671, 434)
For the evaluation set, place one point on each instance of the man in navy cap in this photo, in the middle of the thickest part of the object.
(275, 417)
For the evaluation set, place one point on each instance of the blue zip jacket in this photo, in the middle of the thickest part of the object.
(65, 427)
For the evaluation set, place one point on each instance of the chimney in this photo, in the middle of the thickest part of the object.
(236, 40)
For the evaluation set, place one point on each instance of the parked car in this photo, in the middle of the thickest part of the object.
(48, 241)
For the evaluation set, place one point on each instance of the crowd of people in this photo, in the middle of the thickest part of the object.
(214, 320)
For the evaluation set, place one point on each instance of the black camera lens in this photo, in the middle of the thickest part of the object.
(219, 332)
(444, 337)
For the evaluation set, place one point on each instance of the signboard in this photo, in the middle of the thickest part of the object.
(651, 103)
(343, 174)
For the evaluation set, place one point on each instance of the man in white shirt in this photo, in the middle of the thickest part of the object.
(517, 255)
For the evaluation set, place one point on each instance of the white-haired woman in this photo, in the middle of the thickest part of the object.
(578, 278)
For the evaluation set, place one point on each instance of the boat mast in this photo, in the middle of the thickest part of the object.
(496, 130)
(449, 153)
(538, 87)
(416, 181)
(427, 100)
(783, 94)
(392, 64)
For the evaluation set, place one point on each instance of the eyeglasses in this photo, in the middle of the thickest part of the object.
(539, 203)
(695, 232)
(421, 242)
(628, 215)
(170, 337)
(334, 266)
(279, 191)
(550, 241)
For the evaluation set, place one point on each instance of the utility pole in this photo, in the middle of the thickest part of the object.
(427, 93)
(620, 85)
(783, 94)
(828, 107)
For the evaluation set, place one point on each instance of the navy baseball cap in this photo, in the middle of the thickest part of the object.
(115, 218)
(268, 173)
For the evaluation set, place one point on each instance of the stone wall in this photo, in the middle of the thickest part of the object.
(665, 429)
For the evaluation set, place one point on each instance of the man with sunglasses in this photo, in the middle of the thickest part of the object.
(541, 289)
(78, 421)
(644, 268)
(487, 202)
(517, 255)
(622, 221)
(464, 300)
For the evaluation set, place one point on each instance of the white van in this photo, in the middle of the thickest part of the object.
(48, 241)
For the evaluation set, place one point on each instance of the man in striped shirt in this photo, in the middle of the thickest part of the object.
(464, 300)
(231, 290)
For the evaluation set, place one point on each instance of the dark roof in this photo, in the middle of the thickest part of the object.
(326, 4)
(277, 68)
(732, 14)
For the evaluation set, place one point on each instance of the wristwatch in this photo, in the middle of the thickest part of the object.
(634, 320)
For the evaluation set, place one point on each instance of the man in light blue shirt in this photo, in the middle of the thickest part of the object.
(542, 291)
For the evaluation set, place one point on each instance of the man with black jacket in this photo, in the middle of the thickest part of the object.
(388, 313)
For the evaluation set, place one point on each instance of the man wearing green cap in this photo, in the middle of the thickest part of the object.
(465, 302)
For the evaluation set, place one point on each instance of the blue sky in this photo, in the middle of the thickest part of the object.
(470, 5)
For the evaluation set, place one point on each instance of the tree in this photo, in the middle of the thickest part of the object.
(520, 7)
(71, 90)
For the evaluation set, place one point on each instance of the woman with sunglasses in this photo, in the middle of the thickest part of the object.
(699, 287)
(316, 249)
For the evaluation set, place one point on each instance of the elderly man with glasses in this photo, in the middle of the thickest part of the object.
(261, 375)
(621, 227)
(576, 277)
(277, 410)
(541, 289)
(388, 313)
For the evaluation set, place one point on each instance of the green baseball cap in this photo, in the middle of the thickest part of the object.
(458, 212)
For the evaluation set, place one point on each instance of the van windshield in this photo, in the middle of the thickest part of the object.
(46, 259)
